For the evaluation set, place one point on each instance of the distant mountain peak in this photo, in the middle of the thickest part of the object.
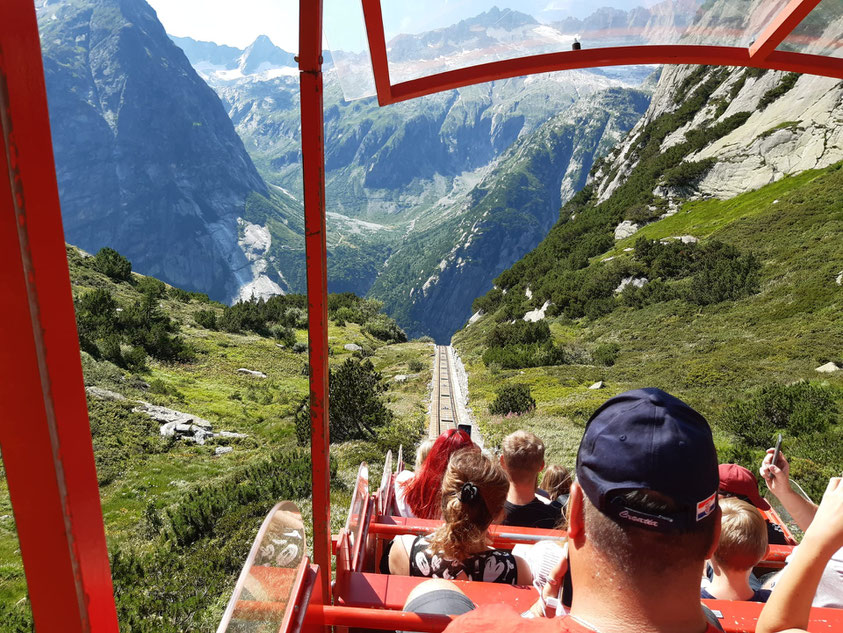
(262, 54)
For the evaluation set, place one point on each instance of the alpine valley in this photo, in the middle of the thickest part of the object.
(421, 195)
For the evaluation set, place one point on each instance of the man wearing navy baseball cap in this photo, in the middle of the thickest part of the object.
(642, 516)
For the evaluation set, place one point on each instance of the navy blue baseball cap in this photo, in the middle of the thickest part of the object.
(647, 439)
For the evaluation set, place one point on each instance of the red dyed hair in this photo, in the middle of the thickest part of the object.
(424, 491)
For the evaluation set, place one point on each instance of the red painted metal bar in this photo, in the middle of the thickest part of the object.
(616, 56)
(377, 50)
(780, 27)
(45, 434)
(385, 620)
(313, 166)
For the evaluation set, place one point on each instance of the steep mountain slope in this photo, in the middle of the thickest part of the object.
(429, 282)
(718, 357)
(146, 157)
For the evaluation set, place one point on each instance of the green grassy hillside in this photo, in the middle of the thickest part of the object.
(718, 356)
(179, 518)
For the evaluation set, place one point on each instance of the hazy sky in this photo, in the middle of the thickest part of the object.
(239, 22)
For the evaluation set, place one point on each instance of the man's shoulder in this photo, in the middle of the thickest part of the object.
(503, 617)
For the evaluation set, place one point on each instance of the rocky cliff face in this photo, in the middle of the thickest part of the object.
(147, 159)
(768, 124)
(793, 123)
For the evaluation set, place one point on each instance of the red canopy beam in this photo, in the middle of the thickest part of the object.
(615, 56)
(313, 167)
(44, 434)
(377, 49)
(780, 27)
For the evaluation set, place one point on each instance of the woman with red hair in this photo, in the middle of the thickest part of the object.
(423, 492)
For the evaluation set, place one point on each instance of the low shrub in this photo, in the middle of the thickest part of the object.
(206, 319)
(415, 366)
(606, 354)
(514, 398)
(800, 409)
(110, 262)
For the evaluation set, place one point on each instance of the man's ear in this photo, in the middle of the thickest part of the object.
(576, 524)
(717, 527)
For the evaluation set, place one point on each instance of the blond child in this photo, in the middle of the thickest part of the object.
(743, 543)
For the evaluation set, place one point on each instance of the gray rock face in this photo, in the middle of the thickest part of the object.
(828, 368)
(597, 385)
(147, 159)
(626, 229)
(104, 394)
(352, 347)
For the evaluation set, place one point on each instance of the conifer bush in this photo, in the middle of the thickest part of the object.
(513, 398)
(110, 262)
(356, 407)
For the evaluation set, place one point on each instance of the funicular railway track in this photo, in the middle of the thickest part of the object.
(443, 415)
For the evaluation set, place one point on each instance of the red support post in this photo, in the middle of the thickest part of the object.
(313, 166)
(780, 27)
(377, 50)
(45, 435)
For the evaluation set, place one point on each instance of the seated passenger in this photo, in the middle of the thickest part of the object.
(422, 492)
(556, 481)
(829, 592)
(401, 479)
(737, 481)
(522, 457)
(790, 605)
(743, 544)
(473, 493)
(643, 517)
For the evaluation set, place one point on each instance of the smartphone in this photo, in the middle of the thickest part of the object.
(466, 428)
(776, 450)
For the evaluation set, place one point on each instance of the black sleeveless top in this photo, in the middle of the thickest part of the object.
(493, 565)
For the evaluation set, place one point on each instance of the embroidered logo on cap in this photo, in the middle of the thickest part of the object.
(706, 507)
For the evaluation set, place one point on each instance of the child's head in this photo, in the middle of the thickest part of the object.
(556, 481)
(423, 451)
(743, 535)
(522, 455)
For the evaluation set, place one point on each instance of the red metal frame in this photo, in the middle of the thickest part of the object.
(616, 56)
(45, 434)
(313, 167)
(782, 25)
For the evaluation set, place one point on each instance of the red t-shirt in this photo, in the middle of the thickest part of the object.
(502, 617)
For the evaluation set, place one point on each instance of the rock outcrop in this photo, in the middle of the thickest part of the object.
(147, 160)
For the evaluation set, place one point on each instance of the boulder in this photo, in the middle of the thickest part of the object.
(474, 317)
(400, 378)
(597, 385)
(169, 416)
(537, 315)
(352, 347)
(840, 278)
(828, 368)
(251, 372)
(687, 239)
(636, 282)
(104, 394)
(626, 229)
(231, 434)
(222, 450)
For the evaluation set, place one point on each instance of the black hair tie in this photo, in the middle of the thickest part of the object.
(469, 492)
